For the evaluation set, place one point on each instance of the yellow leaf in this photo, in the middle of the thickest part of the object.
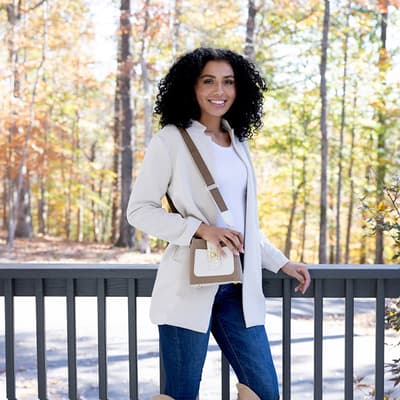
(381, 206)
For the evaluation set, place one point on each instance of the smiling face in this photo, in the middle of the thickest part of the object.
(215, 90)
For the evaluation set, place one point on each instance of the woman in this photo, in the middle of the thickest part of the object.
(216, 95)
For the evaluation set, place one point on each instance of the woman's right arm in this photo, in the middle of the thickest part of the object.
(145, 210)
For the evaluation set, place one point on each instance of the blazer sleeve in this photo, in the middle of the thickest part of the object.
(271, 257)
(145, 210)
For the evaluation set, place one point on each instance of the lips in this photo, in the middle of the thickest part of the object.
(217, 102)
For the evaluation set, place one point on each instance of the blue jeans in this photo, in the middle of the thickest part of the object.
(184, 351)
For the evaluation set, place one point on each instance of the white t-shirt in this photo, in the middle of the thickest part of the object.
(230, 175)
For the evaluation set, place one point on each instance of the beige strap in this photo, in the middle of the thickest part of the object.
(204, 171)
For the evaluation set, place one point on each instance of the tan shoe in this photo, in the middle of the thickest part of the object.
(245, 393)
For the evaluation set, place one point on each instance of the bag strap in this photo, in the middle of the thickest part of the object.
(212, 187)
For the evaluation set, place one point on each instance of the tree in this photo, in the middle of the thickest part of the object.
(324, 139)
(123, 96)
(19, 204)
(249, 50)
(341, 137)
(350, 177)
(382, 130)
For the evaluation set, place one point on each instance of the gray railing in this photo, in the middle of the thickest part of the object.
(132, 281)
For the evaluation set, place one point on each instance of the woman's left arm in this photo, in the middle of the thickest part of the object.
(274, 260)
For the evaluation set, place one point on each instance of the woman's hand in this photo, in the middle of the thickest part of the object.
(222, 237)
(299, 272)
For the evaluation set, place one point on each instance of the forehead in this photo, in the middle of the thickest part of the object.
(217, 68)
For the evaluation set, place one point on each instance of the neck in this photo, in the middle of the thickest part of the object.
(212, 124)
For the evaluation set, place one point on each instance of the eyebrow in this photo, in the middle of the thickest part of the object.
(213, 76)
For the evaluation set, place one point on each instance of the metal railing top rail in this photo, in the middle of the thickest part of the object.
(334, 277)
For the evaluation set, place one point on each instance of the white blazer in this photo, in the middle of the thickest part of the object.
(169, 168)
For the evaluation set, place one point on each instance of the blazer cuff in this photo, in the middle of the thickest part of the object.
(191, 229)
(275, 262)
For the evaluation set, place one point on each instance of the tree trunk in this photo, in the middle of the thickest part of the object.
(363, 242)
(148, 128)
(76, 148)
(324, 140)
(126, 231)
(93, 208)
(20, 211)
(4, 201)
(294, 189)
(42, 202)
(144, 243)
(249, 50)
(116, 154)
(42, 207)
(351, 180)
(176, 26)
(13, 15)
(24, 227)
(288, 242)
(338, 255)
(305, 210)
(381, 148)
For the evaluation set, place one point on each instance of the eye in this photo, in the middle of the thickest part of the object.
(208, 81)
(230, 82)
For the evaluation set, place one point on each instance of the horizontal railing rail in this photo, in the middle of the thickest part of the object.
(132, 281)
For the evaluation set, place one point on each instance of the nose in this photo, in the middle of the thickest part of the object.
(220, 88)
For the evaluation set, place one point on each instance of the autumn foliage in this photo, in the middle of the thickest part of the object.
(60, 159)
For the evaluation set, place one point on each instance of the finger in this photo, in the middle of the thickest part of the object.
(220, 248)
(240, 237)
(233, 241)
(300, 279)
(236, 238)
(300, 287)
(306, 277)
(304, 281)
(241, 240)
(228, 243)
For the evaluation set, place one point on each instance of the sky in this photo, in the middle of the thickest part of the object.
(105, 17)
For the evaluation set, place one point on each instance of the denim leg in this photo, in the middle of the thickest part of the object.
(247, 349)
(183, 352)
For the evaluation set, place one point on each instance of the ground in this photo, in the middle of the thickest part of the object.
(52, 249)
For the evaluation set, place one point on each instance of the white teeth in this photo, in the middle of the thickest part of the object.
(219, 102)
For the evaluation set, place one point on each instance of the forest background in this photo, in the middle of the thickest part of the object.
(78, 81)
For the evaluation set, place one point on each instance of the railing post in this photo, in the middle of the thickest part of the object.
(318, 323)
(286, 345)
(10, 338)
(102, 338)
(71, 340)
(349, 342)
(225, 385)
(41, 341)
(132, 328)
(380, 340)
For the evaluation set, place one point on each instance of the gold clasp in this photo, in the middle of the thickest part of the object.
(213, 253)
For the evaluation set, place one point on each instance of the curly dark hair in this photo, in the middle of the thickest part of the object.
(176, 101)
